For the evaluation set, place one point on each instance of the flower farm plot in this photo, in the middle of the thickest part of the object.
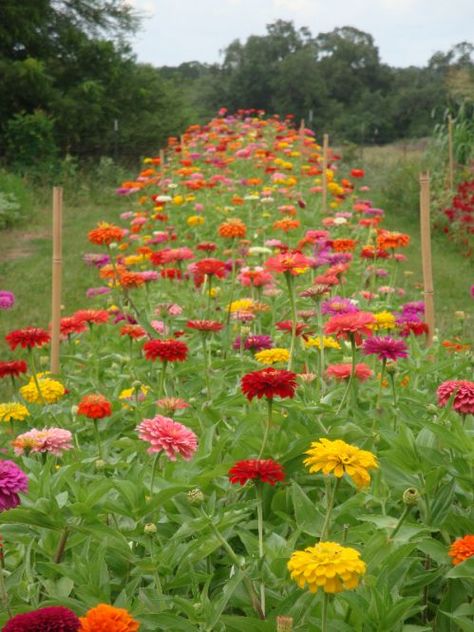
(248, 431)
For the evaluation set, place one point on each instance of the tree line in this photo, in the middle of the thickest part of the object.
(71, 84)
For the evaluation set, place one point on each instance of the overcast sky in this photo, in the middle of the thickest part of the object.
(406, 31)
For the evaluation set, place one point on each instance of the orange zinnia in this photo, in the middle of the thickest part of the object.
(389, 239)
(343, 245)
(94, 406)
(286, 224)
(462, 549)
(105, 234)
(233, 228)
(105, 618)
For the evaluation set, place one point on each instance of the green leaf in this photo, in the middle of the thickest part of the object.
(308, 518)
(465, 570)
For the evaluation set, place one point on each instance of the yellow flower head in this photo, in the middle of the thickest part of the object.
(327, 565)
(12, 411)
(328, 341)
(271, 356)
(385, 320)
(339, 458)
(195, 220)
(242, 305)
(51, 391)
(133, 394)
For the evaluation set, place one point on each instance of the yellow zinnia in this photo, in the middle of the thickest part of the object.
(242, 305)
(12, 411)
(327, 565)
(385, 320)
(328, 341)
(195, 220)
(271, 356)
(51, 391)
(339, 458)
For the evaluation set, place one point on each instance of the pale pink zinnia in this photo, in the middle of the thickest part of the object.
(165, 434)
(53, 440)
(385, 348)
(463, 392)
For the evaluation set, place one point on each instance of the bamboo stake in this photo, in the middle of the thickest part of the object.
(450, 154)
(301, 131)
(425, 229)
(162, 158)
(56, 285)
(324, 179)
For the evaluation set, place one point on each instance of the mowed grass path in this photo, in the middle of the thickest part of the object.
(25, 258)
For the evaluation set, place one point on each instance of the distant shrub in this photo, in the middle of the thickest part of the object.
(15, 200)
(29, 143)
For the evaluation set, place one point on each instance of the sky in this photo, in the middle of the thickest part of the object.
(407, 32)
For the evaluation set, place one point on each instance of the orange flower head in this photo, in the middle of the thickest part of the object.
(233, 228)
(94, 406)
(388, 239)
(286, 224)
(105, 618)
(343, 245)
(462, 549)
(105, 234)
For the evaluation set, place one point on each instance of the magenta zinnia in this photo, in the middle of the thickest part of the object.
(52, 619)
(163, 433)
(385, 348)
(12, 481)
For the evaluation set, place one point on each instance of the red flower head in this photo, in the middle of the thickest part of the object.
(133, 331)
(94, 406)
(343, 371)
(27, 338)
(92, 316)
(264, 470)
(52, 619)
(170, 350)
(345, 325)
(463, 392)
(13, 368)
(211, 267)
(205, 325)
(72, 325)
(268, 383)
(287, 325)
(462, 549)
(357, 173)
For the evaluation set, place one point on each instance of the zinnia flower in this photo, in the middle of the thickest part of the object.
(13, 368)
(463, 392)
(205, 325)
(7, 299)
(92, 316)
(170, 350)
(271, 356)
(163, 433)
(268, 383)
(338, 305)
(232, 228)
(339, 458)
(254, 343)
(385, 348)
(51, 391)
(12, 481)
(105, 234)
(94, 406)
(343, 371)
(327, 565)
(264, 470)
(290, 263)
(461, 549)
(172, 404)
(105, 618)
(13, 411)
(27, 338)
(53, 440)
(356, 325)
(210, 267)
(51, 619)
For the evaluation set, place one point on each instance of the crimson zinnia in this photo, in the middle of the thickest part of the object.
(27, 338)
(52, 619)
(13, 368)
(264, 470)
(205, 325)
(268, 383)
(169, 350)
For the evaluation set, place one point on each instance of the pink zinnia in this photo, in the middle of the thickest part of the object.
(53, 440)
(463, 402)
(385, 348)
(12, 481)
(343, 371)
(345, 325)
(165, 434)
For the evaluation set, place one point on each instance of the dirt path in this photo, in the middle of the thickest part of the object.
(17, 244)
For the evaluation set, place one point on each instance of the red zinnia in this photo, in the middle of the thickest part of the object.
(94, 406)
(463, 402)
(343, 371)
(268, 383)
(95, 316)
(211, 267)
(205, 325)
(13, 368)
(72, 325)
(170, 350)
(355, 324)
(133, 331)
(462, 549)
(287, 325)
(27, 338)
(264, 470)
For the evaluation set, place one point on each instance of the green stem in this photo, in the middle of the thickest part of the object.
(329, 507)
(382, 375)
(258, 491)
(35, 377)
(209, 297)
(206, 364)
(161, 385)
(4, 594)
(401, 520)
(97, 436)
(321, 349)
(324, 614)
(291, 293)
(267, 425)
(58, 555)
(158, 586)
(351, 378)
(153, 470)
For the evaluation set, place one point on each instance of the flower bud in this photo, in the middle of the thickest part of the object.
(460, 315)
(411, 496)
(284, 624)
(432, 409)
(100, 464)
(150, 528)
(391, 368)
(195, 496)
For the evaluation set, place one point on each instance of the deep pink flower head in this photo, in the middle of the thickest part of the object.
(12, 481)
(53, 619)
(7, 299)
(165, 434)
(385, 348)
(338, 305)
(463, 402)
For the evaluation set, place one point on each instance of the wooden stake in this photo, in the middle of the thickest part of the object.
(162, 158)
(324, 179)
(56, 286)
(302, 128)
(450, 154)
(425, 230)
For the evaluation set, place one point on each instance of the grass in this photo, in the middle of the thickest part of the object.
(25, 252)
